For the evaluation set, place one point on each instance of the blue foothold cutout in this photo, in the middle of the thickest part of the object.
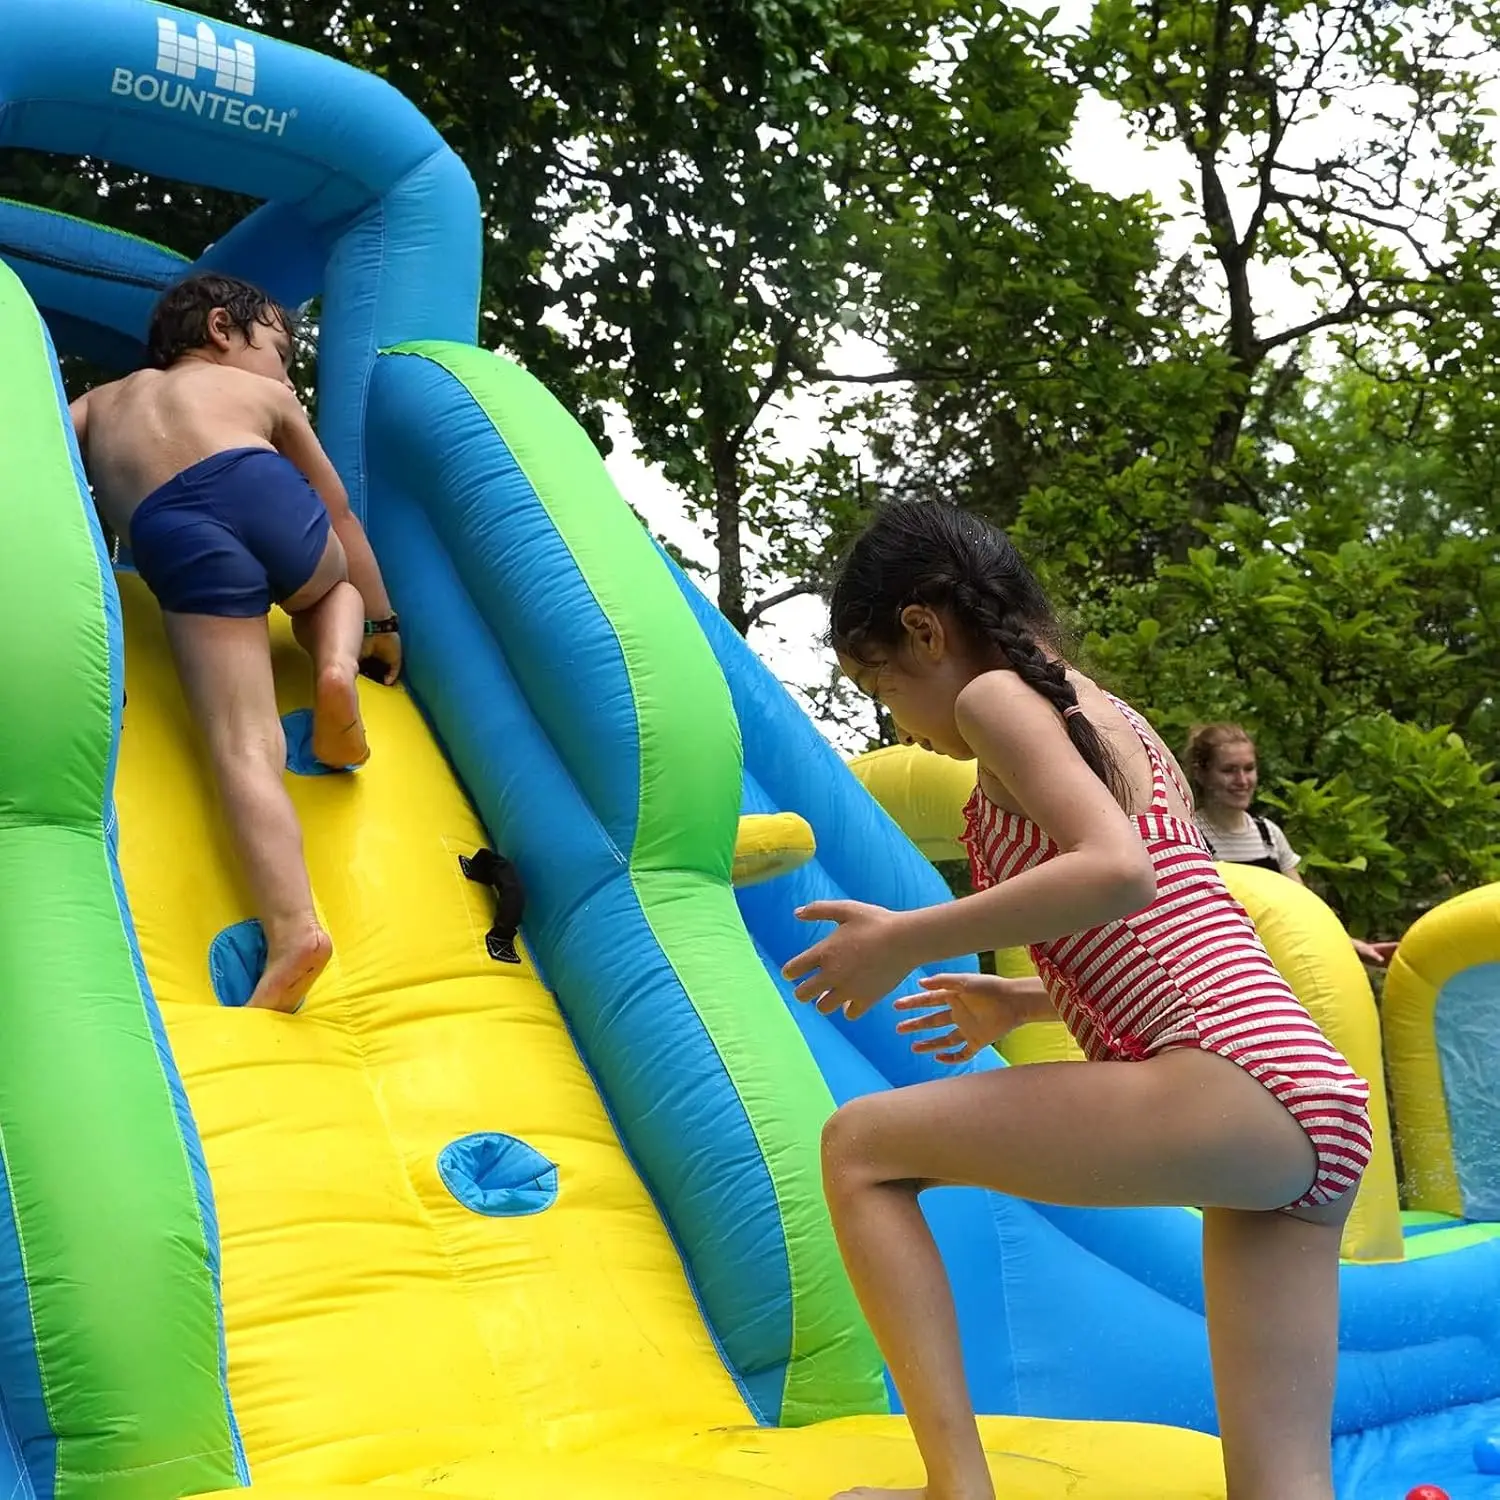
(236, 960)
(1487, 1454)
(300, 759)
(497, 1175)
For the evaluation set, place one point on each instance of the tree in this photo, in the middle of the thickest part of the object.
(757, 225)
(1014, 304)
(1236, 533)
(1375, 217)
(722, 186)
(1379, 222)
(1349, 622)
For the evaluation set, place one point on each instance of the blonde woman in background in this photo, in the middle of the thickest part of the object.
(1221, 768)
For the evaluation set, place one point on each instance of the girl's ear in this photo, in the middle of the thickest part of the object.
(924, 632)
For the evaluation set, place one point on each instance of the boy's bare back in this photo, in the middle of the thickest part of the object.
(149, 426)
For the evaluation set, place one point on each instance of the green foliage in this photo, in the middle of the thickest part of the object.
(1350, 661)
(1263, 475)
(1414, 820)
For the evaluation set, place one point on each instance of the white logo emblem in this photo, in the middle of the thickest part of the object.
(203, 78)
(182, 55)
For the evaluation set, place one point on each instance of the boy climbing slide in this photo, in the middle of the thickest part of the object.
(207, 464)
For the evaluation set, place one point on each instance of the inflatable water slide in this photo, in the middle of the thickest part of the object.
(484, 1222)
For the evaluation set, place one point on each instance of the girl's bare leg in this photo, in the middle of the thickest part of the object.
(1185, 1127)
(1272, 1284)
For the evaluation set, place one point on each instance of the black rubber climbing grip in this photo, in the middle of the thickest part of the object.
(485, 867)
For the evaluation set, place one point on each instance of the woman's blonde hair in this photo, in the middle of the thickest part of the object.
(1202, 743)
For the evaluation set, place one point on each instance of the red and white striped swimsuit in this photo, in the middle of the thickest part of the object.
(1186, 971)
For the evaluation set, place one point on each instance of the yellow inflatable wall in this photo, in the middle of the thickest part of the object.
(379, 1333)
(1460, 934)
(1309, 946)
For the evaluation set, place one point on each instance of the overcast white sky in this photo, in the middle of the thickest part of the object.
(1102, 154)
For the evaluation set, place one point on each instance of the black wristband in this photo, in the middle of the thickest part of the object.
(391, 625)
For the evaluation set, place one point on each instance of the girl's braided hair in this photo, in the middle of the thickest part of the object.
(925, 552)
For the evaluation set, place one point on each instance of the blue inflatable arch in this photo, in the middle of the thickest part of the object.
(361, 196)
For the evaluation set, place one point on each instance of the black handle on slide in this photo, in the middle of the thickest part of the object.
(485, 867)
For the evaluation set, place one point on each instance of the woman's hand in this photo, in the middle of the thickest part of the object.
(864, 958)
(969, 1012)
(1377, 955)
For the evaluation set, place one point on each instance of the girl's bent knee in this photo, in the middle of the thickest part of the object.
(848, 1142)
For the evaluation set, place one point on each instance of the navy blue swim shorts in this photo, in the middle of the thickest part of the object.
(231, 535)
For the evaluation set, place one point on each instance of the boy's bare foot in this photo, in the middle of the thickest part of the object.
(338, 733)
(291, 969)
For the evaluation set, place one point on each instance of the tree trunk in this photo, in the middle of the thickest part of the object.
(728, 518)
(1210, 492)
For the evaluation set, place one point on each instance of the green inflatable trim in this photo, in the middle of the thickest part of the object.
(688, 814)
(1420, 1218)
(1444, 1241)
(115, 1258)
(124, 234)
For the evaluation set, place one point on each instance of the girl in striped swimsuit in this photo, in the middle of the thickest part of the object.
(1083, 845)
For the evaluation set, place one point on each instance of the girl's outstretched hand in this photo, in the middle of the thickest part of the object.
(967, 1013)
(851, 968)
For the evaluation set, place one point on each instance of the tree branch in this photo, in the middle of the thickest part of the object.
(781, 366)
(1354, 309)
(1374, 221)
(765, 606)
(889, 377)
(1265, 191)
(1216, 85)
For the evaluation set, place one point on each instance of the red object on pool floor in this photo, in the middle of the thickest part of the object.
(1427, 1492)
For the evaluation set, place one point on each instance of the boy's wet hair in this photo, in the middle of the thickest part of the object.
(180, 322)
(925, 552)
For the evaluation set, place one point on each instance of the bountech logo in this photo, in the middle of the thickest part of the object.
(203, 77)
(232, 67)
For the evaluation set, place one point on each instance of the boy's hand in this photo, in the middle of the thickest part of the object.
(385, 650)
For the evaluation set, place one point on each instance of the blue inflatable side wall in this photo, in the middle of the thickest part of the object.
(1468, 1041)
(15, 1481)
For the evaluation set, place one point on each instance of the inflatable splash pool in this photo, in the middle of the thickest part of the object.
(468, 1226)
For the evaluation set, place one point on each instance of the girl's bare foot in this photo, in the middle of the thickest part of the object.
(291, 969)
(338, 733)
(981, 1490)
(878, 1492)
